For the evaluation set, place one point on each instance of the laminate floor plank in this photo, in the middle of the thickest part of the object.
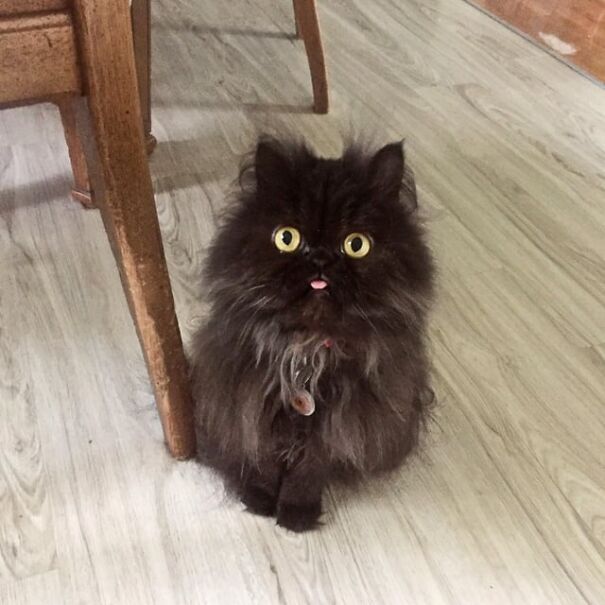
(504, 502)
(41, 588)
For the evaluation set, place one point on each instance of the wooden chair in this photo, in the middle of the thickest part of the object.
(307, 28)
(80, 55)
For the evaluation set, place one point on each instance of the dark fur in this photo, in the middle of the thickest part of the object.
(265, 324)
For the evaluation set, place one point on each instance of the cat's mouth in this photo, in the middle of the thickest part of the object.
(319, 284)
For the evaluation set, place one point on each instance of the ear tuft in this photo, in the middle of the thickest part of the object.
(271, 164)
(386, 171)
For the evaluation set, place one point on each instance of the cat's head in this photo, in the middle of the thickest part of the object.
(330, 246)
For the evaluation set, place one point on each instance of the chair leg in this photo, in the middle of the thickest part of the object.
(81, 191)
(141, 31)
(111, 125)
(307, 26)
(296, 20)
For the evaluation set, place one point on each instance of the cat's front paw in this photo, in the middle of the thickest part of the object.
(259, 502)
(299, 517)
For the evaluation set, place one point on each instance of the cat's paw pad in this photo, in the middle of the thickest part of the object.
(299, 517)
(259, 502)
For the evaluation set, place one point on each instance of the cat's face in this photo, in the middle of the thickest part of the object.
(330, 246)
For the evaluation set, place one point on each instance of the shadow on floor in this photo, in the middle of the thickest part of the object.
(231, 106)
(193, 28)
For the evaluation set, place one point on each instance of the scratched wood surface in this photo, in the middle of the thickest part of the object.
(504, 504)
(573, 30)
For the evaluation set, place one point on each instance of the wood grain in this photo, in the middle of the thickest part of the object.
(27, 544)
(504, 504)
(43, 588)
(13, 7)
(37, 57)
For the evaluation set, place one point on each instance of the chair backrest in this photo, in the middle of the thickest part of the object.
(19, 7)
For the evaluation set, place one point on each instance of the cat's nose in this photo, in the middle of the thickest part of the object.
(320, 257)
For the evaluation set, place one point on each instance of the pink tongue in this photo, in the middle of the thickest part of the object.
(319, 284)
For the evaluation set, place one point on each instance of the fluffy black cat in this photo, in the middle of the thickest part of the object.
(312, 365)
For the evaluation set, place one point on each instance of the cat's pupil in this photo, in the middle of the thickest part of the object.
(356, 244)
(287, 237)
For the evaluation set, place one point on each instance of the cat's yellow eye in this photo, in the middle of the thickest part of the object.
(287, 239)
(356, 245)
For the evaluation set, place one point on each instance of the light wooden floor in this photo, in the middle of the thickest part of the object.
(506, 503)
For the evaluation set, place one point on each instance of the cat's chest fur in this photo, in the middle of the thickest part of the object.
(355, 417)
(304, 371)
(304, 377)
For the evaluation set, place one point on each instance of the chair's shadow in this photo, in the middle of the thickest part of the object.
(160, 28)
(184, 103)
(50, 190)
(194, 28)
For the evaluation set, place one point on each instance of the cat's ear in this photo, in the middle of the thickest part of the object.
(386, 171)
(272, 167)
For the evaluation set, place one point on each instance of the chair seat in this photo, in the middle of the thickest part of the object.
(19, 7)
